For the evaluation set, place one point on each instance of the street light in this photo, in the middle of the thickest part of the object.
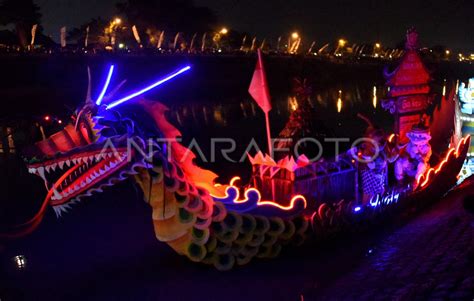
(117, 21)
(342, 42)
(224, 30)
(295, 35)
(377, 45)
(447, 52)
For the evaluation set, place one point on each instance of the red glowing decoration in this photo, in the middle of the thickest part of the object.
(425, 178)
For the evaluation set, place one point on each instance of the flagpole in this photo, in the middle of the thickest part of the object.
(259, 91)
(267, 119)
(269, 136)
(270, 151)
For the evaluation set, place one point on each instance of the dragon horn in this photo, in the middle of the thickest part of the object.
(88, 95)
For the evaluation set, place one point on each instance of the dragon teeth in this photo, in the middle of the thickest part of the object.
(41, 172)
(61, 164)
(56, 195)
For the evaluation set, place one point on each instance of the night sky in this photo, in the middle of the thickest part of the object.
(449, 23)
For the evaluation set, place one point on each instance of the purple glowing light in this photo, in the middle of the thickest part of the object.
(146, 89)
(357, 209)
(106, 85)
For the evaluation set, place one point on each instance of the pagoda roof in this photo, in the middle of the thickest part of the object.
(411, 71)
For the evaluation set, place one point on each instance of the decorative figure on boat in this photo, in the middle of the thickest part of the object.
(413, 161)
(466, 96)
(409, 92)
(375, 154)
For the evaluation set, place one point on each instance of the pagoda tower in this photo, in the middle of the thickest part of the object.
(408, 89)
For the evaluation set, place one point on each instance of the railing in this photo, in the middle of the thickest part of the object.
(322, 181)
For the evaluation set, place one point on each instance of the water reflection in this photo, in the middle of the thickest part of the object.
(328, 103)
(374, 97)
(292, 104)
(339, 102)
(20, 262)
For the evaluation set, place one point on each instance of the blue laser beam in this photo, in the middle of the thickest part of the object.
(146, 89)
(106, 85)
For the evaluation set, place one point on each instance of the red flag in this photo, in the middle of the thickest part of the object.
(259, 87)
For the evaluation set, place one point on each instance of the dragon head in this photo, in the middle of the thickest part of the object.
(100, 147)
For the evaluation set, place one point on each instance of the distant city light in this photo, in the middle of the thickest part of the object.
(357, 209)
(60, 121)
(377, 45)
(342, 42)
(295, 35)
(447, 52)
(121, 45)
(47, 118)
(117, 21)
(224, 30)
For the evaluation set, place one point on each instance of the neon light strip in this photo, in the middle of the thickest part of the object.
(431, 171)
(286, 208)
(106, 85)
(237, 199)
(146, 89)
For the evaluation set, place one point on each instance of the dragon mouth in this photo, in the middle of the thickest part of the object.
(79, 175)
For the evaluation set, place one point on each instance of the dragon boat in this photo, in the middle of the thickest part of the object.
(287, 201)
